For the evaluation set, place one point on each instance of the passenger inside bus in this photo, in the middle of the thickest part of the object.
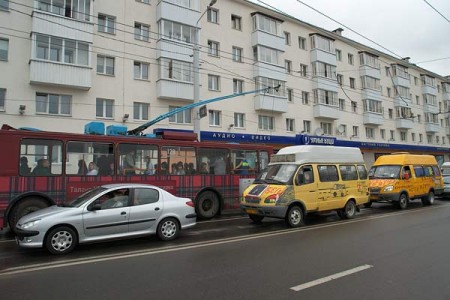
(82, 168)
(24, 168)
(243, 167)
(92, 169)
(204, 168)
(42, 168)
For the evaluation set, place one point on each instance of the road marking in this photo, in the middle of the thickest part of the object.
(329, 278)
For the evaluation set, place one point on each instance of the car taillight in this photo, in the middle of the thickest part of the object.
(190, 203)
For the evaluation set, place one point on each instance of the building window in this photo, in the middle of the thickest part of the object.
(213, 48)
(214, 117)
(105, 65)
(437, 139)
(290, 95)
(2, 99)
(4, 4)
(175, 69)
(413, 136)
(183, 117)
(264, 83)
(355, 131)
(419, 119)
(61, 50)
(392, 135)
(342, 104)
(141, 32)
(383, 134)
(106, 24)
(238, 86)
(352, 82)
(354, 106)
(350, 59)
(265, 54)
(239, 120)
(327, 128)
(325, 97)
(213, 82)
(305, 97)
(177, 31)
(79, 10)
(53, 104)
(287, 38)
(420, 138)
(213, 15)
(370, 133)
(302, 43)
(429, 139)
(403, 136)
(265, 123)
(236, 22)
(373, 106)
(306, 126)
(290, 125)
(391, 113)
(372, 83)
(388, 90)
(322, 43)
(267, 24)
(141, 70)
(338, 55)
(288, 66)
(324, 70)
(340, 79)
(303, 70)
(140, 111)
(237, 54)
(4, 44)
(104, 108)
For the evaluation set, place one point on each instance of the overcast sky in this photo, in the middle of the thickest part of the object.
(406, 27)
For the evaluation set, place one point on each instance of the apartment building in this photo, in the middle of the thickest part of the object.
(68, 62)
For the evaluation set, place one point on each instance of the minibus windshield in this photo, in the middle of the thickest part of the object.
(278, 174)
(392, 172)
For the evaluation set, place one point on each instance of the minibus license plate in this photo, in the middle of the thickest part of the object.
(252, 211)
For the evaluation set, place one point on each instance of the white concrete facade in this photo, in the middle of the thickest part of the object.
(386, 101)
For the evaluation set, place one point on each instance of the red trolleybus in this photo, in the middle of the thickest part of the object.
(40, 168)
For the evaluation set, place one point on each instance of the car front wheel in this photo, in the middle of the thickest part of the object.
(168, 229)
(294, 216)
(61, 240)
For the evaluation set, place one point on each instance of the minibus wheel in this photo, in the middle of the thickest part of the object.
(402, 201)
(428, 199)
(294, 216)
(349, 210)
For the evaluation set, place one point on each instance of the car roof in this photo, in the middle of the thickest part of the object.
(127, 185)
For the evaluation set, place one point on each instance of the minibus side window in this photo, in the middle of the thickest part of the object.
(436, 171)
(418, 171)
(305, 175)
(362, 172)
(428, 171)
(406, 172)
(328, 173)
(348, 172)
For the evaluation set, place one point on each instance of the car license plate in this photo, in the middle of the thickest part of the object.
(252, 211)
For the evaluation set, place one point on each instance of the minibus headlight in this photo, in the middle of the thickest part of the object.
(389, 188)
(272, 198)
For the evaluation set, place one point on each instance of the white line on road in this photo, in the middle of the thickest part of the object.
(329, 278)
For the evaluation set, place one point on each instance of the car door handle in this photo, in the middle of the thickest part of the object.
(156, 208)
(123, 213)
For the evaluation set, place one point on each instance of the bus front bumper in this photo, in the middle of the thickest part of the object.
(392, 197)
(266, 211)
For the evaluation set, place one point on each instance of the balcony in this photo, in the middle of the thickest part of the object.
(371, 118)
(326, 111)
(371, 94)
(177, 13)
(175, 90)
(58, 74)
(429, 108)
(370, 71)
(261, 69)
(175, 50)
(446, 96)
(271, 103)
(402, 102)
(398, 80)
(323, 56)
(432, 127)
(323, 83)
(404, 123)
(428, 89)
(269, 40)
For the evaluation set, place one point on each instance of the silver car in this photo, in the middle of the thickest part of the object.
(107, 212)
(446, 193)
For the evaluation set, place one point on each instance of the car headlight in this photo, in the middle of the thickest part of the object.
(30, 224)
(389, 188)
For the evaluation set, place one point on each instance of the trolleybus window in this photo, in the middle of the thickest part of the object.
(81, 154)
(136, 159)
(40, 157)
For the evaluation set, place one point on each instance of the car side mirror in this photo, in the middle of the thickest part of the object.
(96, 206)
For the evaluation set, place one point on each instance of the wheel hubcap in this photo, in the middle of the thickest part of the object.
(62, 240)
(295, 217)
(350, 210)
(169, 229)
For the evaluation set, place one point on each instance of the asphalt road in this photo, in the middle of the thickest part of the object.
(383, 253)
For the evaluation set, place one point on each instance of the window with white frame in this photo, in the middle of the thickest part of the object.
(183, 117)
(325, 97)
(403, 112)
(350, 58)
(370, 133)
(340, 79)
(61, 50)
(214, 117)
(403, 137)
(302, 43)
(419, 119)
(264, 82)
(354, 106)
(265, 54)
(303, 70)
(367, 59)
(413, 136)
(431, 118)
(355, 131)
(104, 108)
(383, 134)
(238, 86)
(305, 97)
(4, 4)
(370, 83)
(236, 22)
(105, 65)
(288, 66)
(401, 71)
(306, 126)
(327, 128)
(74, 9)
(237, 54)
(429, 139)
(338, 55)
(141, 32)
(392, 135)
(430, 99)
(437, 139)
(342, 104)
(176, 69)
(140, 111)
(184, 3)
(324, 70)
(140, 70)
(106, 24)
(373, 106)
(239, 120)
(352, 83)
(322, 43)
(402, 91)
(287, 38)
(265, 122)
(177, 31)
(53, 104)
(290, 125)
(213, 82)
(290, 95)
(2, 99)
(417, 100)
(213, 48)
(213, 15)
(420, 138)
(4, 45)
(265, 23)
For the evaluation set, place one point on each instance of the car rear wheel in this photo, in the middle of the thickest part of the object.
(349, 210)
(207, 205)
(168, 229)
(256, 218)
(24, 207)
(428, 199)
(61, 240)
(294, 216)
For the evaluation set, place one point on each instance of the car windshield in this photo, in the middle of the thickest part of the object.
(385, 172)
(83, 198)
(277, 174)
